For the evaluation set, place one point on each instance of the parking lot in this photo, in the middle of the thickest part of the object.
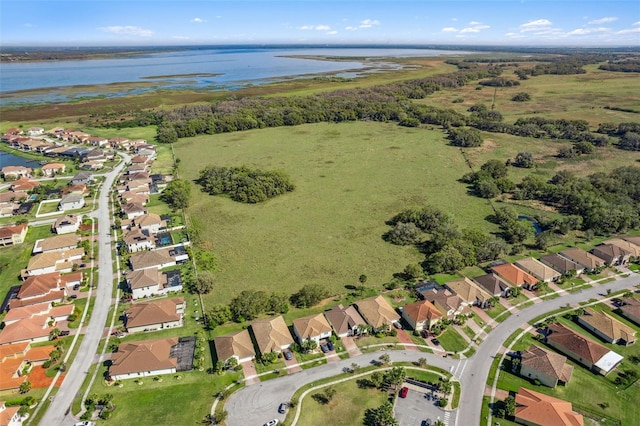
(419, 405)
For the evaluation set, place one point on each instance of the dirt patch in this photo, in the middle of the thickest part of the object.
(39, 379)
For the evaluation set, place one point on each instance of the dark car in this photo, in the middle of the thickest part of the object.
(324, 348)
(76, 287)
(283, 407)
(64, 333)
(424, 334)
(426, 422)
(435, 342)
(403, 392)
(288, 355)
(330, 345)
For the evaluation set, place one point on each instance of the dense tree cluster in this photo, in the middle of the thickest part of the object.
(523, 159)
(491, 180)
(499, 82)
(465, 137)
(244, 184)
(628, 134)
(309, 295)
(622, 65)
(177, 194)
(561, 66)
(603, 203)
(249, 304)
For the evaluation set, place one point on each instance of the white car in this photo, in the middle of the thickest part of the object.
(85, 423)
(273, 422)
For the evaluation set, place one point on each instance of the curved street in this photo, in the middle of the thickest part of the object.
(58, 411)
(256, 404)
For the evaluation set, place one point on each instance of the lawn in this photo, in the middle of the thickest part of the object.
(346, 408)
(496, 310)
(350, 178)
(452, 341)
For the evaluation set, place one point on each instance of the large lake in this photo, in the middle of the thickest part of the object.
(8, 159)
(211, 69)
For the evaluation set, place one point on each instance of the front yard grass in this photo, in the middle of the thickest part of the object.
(373, 340)
(497, 310)
(452, 341)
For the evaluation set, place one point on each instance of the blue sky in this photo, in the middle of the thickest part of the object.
(170, 22)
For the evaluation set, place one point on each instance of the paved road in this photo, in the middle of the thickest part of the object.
(256, 404)
(57, 412)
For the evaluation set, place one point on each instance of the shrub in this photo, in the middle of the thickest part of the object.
(521, 97)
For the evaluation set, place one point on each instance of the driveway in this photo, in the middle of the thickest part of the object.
(250, 373)
(350, 346)
(292, 365)
(404, 337)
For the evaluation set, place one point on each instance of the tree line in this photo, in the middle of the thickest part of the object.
(243, 184)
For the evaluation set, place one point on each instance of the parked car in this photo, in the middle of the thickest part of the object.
(435, 342)
(73, 296)
(76, 287)
(426, 422)
(324, 348)
(330, 345)
(283, 407)
(64, 333)
(404, 391)
(288, 355)
(397, 325)
(424, 334)
(273, 422)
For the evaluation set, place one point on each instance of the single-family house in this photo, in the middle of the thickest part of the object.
(271, 335)
(119, 142)
(592, 355)
(57, 243)
(14, 359)
(11, 197)
(236, 345)
(134, 168)
(548, 367)
(538, 269)
(69, 223)
(150, 222)
(151, 259)
(13, 234)
(9, 416)
(40, 288)
(588, 261)
(35, 131)
(630, 309)
(515, 275)
(97, 141)
(16, 172)
(470, 293)
(52, 169)
(312, 327)
(138, 240)
(55, 261)
(132, 197)
(345, 321)
(421, 315)
(93, 155)
(79, 189)
(537, 409)
(635, 240)
(133, 210)
(607, 328)
(377, 312)
(24, 184)
(561, 264)
(34, 329)
(626, 245)
(443, 297)
(155, 315)
(611, 254)
(494, 285)
(71, 202)
(146, 358)
(58, 313)
(84, 178)
(149, 282)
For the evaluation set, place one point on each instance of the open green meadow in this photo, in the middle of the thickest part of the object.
(350, 178)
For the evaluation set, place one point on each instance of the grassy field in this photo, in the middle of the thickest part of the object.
(452, 341)
(346, 408)
(350, 178)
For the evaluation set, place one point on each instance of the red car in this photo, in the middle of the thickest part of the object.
(403, 392)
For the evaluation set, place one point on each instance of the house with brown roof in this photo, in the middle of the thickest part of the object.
(633, 240)
(607, 328)
(138, 240)
(69, 223)
(15, 172)
(611, 254)
(59, 313)
(133, 210)
(24, 184)
(377, 312)
(312, 327)
(55, 261)
(592, 355)
(471, 293)
(345, 321)
(548, 367)
(36, 328)
(151, 282)
(587, 260)
(236, 345)
(271, 335)
(494, 285)
(145, 358)
(40, 288)
(630, 309)
(155, 315)
(52, 169)
(421, 315)
(14, 234)
(444, 298)
(538, 269)
(515, 275)
(626, 245)
(57, 243)
(561, 264)
(9, 415)
(150, 222)
(151, 259)
(537, 409)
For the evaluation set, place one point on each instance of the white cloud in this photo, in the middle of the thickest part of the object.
(630, 31)
(332, 32)
(604, 20)
(315, 27)
(351, 28)
(536, 25)
(454, 19)
(128, 30)
(474, 29)
(636, 23)
(584, 31)
(198, 20)
(449, 30)
(514, 35)
(474, 23)
(368, 23)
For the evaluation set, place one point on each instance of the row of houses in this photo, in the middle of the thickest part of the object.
(18, 172)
